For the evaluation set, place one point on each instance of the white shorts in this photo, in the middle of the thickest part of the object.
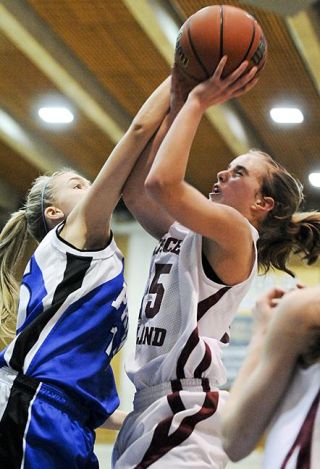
(167, 429)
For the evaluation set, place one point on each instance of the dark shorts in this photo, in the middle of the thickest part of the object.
(40, 427)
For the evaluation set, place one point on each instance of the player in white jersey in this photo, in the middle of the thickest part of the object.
(56, 382)
(200, 271)
(278, 387)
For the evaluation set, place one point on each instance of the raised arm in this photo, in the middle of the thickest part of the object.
(151, 216)
(147, 211)
(271, 360)
(88, 225)
(223, 227)
(166, 183)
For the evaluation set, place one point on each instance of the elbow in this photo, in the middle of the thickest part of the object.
(234, 442)
(158, 189)
(142, 129)
(232, 450)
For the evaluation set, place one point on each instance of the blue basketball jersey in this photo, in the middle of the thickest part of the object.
(72, 319)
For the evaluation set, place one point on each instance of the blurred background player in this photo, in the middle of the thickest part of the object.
(278, 385)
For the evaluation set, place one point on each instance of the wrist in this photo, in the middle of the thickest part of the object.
(194, 102)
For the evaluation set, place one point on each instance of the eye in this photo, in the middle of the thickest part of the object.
(239, 172)
(77, 186)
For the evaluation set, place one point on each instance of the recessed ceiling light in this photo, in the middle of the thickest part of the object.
(56, 115)
(286, 115)
(314, 179)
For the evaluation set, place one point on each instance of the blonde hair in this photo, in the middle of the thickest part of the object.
(286, 230)
(28, 222)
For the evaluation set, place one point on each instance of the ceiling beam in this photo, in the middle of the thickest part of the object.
(154, 20)
(29, 146)
(9, 198)
(28, 33)
(281, 7)
(306, 39)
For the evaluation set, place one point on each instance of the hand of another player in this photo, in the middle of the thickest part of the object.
(217, 90)
(181, 85)
(264, 308)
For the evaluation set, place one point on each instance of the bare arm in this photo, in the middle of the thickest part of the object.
(115, 421)
(88, 225)
(149, 213)
(221, 225)
(268, 368)
(151, 216)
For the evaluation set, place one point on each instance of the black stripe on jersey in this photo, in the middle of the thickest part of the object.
(304, 438)
(76, 268)
(176, 385)
(205, 362)
(192, 342)
(207, 303)
(190, 345)
(14, 421)
(162, 442)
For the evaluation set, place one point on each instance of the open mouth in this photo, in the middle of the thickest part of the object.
(215, 190)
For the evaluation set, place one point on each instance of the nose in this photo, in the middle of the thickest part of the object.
(222, 175)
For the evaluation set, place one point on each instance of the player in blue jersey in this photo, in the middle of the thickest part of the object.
(202, 267)
(56, 382)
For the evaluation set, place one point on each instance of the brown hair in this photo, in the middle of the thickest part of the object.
(286, 230)
(28, 222)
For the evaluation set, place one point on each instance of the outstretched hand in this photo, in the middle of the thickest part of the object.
(217, 90)
(264, 308)
(266, 304)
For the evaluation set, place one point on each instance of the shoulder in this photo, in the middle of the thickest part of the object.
(53, 245)
(302, 306)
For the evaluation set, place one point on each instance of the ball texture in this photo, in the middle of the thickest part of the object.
(213, 32)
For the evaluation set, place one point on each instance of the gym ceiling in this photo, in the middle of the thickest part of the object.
(102, 58)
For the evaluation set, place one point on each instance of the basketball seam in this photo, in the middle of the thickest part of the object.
(198, 80)
(221, 32)
(251, 42)
(195, 51)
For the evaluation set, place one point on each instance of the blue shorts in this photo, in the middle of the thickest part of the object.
(40, 427)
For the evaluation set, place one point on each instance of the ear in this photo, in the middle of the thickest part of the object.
(263, 204)
(54, 214)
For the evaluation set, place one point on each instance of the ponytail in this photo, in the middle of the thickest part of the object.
(23, 225)
(279, 239)
(285, 230)
(307, 235)
(13, 240)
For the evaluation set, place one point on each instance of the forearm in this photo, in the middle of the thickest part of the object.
(264, 376)
(140, 204)
(108, 185)
(153, 111)
(143, 127)
(115, 421)
(171, 161)
(259, 387)
(169, 167)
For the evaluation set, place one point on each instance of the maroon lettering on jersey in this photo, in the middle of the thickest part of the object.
(168, 245)
(151, 336)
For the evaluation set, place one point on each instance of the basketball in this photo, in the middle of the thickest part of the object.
(215, 31)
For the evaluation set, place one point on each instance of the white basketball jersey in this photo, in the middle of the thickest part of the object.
(185, 316)
(293, 441)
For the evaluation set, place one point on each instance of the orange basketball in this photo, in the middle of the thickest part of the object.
(213, 32)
